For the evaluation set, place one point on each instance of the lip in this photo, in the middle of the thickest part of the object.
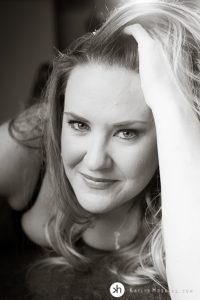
(98, 179)
(98, 183)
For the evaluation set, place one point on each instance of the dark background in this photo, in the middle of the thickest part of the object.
(29, 32)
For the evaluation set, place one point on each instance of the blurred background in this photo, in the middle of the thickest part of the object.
(30, 30)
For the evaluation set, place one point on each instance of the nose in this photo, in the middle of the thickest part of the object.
(97, 156)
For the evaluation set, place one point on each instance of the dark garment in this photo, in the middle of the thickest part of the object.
(52, 284)
(93, 284)
(18, 254)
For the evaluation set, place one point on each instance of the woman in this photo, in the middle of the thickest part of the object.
(122, 107)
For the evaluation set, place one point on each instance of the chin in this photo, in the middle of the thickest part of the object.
(96, 206)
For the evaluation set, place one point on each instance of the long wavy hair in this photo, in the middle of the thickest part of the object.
(176, 25)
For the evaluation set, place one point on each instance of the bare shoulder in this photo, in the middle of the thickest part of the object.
(19, 162)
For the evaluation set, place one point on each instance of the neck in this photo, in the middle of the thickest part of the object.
(124, 219)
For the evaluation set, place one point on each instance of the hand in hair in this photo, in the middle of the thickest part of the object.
(157, 79)
(178, 132)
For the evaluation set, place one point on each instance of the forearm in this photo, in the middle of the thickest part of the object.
(178, 138)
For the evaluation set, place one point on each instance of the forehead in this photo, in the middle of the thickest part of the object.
(101, 91)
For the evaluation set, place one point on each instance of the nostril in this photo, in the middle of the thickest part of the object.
(97, 160)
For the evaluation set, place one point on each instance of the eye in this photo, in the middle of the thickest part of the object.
(127, 134)
(79, 126)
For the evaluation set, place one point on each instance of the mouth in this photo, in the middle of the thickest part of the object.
(98, 183)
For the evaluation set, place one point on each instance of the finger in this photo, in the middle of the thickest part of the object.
(138, 32)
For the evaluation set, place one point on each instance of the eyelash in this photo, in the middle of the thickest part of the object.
(73, 122)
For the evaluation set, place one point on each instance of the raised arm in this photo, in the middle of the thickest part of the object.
(178, 139)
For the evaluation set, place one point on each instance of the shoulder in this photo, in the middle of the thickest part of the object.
(20, 157)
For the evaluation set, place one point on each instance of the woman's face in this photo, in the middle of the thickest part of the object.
(108, 137)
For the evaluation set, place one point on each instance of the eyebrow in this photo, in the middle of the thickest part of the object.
(123, 123)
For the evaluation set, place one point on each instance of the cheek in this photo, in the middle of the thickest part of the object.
(72, 149)
(141, 161)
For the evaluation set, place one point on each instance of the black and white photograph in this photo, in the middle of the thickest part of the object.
(100, 149)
